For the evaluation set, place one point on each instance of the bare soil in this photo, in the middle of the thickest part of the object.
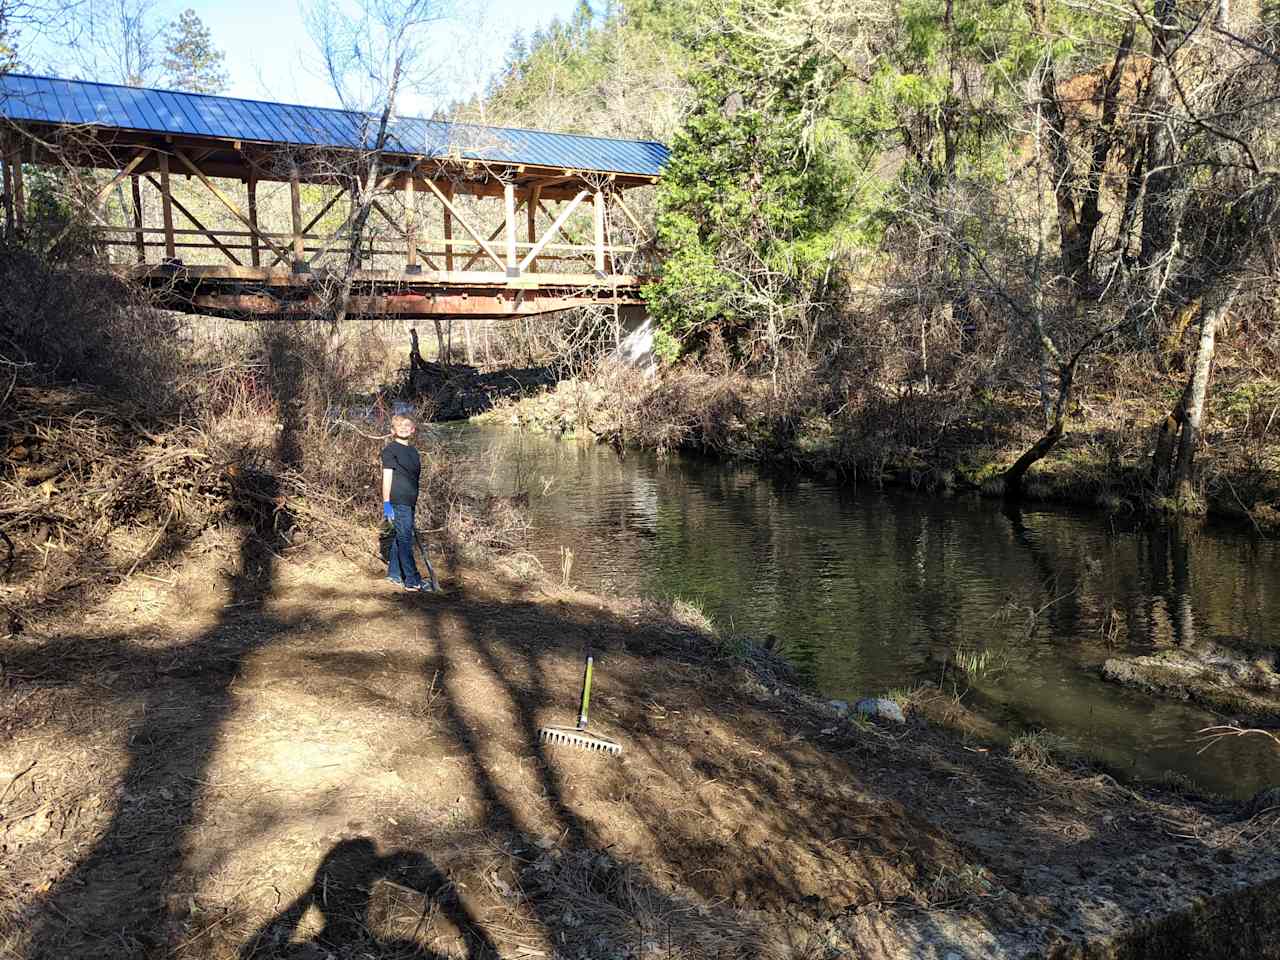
(265, 756)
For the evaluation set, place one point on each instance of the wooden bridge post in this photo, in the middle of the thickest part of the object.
(19, 189)
(509, 199)
(251, 186)
(531, 209)
(598, 205)
(411, 221)
(295, 209)
(139, 238)
(7, 186)
(448, 227)
(166, 209)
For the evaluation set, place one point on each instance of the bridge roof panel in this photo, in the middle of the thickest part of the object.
(142, 109)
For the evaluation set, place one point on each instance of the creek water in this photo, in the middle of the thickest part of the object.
(872, 590)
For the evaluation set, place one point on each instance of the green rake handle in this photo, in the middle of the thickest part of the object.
(586, 694)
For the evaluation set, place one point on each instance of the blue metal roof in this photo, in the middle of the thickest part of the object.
(52, 100)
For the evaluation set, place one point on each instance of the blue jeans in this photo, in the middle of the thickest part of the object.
(401, 567)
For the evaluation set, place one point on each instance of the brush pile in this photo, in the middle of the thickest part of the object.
(88, 492)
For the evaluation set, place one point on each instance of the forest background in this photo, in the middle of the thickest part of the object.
(1021, 246)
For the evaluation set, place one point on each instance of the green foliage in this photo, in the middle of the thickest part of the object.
(747, 205)
(192, 62)
(50, 216)
(948, 130)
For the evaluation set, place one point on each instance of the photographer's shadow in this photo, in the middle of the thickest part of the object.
(343, 892)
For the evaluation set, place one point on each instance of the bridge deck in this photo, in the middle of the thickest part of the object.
(260, 293)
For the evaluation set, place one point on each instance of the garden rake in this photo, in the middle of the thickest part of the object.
(579, 736)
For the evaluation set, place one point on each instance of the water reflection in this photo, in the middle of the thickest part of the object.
(875, 590)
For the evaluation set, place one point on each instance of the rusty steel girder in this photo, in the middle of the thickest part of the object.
(407, 306)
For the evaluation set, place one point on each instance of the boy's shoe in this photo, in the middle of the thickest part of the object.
(398, 583)
(423, 587)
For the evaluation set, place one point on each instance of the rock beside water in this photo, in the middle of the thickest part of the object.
(879, 708)
(1213, 678)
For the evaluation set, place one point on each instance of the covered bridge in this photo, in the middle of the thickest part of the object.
(244, 207)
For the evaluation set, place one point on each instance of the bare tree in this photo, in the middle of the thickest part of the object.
(373, 53)
(116, 41)
(22, 20)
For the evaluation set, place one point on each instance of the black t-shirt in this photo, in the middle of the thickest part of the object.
(405, 466)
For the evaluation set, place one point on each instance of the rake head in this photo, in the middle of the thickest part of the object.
(573, 737)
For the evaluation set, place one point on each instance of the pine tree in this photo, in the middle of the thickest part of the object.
(191, 60)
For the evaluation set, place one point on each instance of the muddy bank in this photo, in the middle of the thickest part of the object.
(1225, 681)
(251, 756)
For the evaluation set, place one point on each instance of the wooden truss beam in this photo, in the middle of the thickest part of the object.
(226, 202)
(531, 212)
(552, 230)
(466, 225)
(448, 230)
(410, 223)
(251, 191)
(313, 221)
(410, 238)
(598, 220)
(103, 192)
(8, 193)
(509, 208)
(571, 237)
(616, 197)
(497, 232)
(166, 208)
(213, 238)
(139, 241)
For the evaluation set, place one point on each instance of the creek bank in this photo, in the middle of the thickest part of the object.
(367, 751)
(1214, 677)
(1097, 464)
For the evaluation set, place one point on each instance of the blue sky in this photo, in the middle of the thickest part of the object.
(270, 57)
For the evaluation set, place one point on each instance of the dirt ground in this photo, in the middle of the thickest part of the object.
(261, 756)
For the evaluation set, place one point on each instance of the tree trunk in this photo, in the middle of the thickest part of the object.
(1066, 383)
(366, 197)
(1013, 477)
(466, 332)
(442, 356)
(1166, 443)
(1195, 395)
(1157, 213)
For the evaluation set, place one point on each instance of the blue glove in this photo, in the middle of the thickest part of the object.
(387, 511)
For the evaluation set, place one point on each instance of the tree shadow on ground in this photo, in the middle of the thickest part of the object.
(117, 896)
(728, 800)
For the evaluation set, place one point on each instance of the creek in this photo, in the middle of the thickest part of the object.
(875, 590)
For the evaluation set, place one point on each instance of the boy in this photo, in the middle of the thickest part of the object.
(401, 467)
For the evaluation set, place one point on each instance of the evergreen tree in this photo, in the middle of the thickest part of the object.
(747, 205)
(191, 60)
